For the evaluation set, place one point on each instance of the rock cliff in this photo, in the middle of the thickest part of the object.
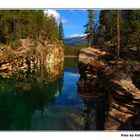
(31, 55)
(116, 80)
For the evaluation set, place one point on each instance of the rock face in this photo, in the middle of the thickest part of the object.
(95, 102)
(124, 99)
(118, 81)
(89, 64)
(30, 55)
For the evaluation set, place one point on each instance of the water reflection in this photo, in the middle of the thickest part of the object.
(94, 110)
(46, 99)
(23, 94)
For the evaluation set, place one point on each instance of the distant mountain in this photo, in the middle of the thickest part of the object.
(76, 41)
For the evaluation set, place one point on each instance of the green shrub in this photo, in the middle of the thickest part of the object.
(16, 44)
(73, 50)
(10, 56)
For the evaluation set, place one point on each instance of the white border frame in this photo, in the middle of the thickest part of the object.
(72, 4)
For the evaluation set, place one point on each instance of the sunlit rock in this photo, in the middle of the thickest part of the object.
(31, 56)
(115, 79)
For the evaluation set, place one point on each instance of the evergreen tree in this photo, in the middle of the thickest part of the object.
(131, 34)
(107, 27)
(51, 29)
(61, 31)
(40, 22)
(118, 35)
(119, 28)
(19, 24)
(90, 28)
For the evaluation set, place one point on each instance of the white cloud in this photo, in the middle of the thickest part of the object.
(77, 35)
(54, 13)
(64, 21)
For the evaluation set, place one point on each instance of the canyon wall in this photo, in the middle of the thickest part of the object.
(38, 56)
(118, 81)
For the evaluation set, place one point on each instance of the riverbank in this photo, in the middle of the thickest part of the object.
(117, 80)
(31, 102)
(72, 50)
(30, 55)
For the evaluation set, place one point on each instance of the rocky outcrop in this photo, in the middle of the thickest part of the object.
(89, 64)
(124, 100)
(118, 81)
(30, 55)
(95, 102)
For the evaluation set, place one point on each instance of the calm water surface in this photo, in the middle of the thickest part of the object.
(30, 103)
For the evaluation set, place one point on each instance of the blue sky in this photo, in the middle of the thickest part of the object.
(73, 20)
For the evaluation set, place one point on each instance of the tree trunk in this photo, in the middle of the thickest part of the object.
(138, 48)
(89, 42)
(14, 28)
(118, 35)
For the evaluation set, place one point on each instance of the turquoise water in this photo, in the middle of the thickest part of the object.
(34, 102)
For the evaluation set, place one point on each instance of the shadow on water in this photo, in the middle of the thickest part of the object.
(47, 99)
(71, 65)
(95, 108)
(23, 94)
(94, 112)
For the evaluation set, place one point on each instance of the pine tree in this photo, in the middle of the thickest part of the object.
(51, 29)
(90, 28)
(118, 35)
(120, 28)
(107, 27)
(132, 32)
(15, 25)
(61, 31)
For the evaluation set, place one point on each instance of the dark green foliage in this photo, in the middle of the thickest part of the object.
(20, 98)
(16, 43)
(129, 29)
(90, 27)
(21, 24)
(51, 29)
(107, 27)
(72, 51)
(61, 31)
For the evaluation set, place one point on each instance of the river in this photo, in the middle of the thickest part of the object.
(30, 103)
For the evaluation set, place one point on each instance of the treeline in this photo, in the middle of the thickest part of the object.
(120, 28)
(19, 24)
(123, 25)
(72, 51)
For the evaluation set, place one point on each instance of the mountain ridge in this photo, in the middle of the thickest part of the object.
(75, 41)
